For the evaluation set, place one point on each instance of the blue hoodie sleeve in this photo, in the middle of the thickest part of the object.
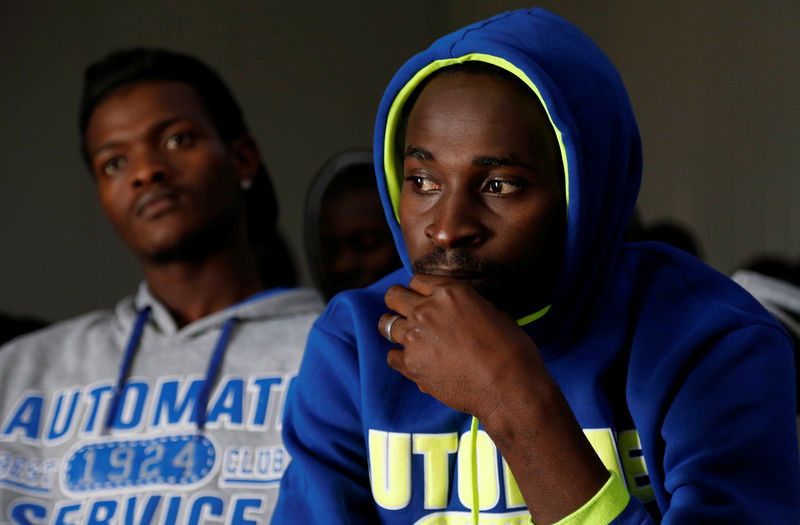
(717, 418)
(327, 479)
(730, 453)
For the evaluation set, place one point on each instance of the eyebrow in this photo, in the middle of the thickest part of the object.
(482, 161)
(416, 152)
(486, 161)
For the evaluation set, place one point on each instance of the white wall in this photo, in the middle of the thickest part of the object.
(714, 85)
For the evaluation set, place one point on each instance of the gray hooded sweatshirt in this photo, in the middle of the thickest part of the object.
(120, 417)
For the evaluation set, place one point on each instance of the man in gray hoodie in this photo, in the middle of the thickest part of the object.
(167, 408)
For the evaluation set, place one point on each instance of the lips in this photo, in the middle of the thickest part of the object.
(154, 203)
(456, 264)
(455, 273)
(468, 276)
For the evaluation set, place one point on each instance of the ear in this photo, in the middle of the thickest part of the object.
(246, 159)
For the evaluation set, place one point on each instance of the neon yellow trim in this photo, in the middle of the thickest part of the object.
(534, 316)
(476, 501)
(392, 164)
(456, 517)
(604, 506)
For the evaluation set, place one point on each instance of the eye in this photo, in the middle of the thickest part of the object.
(422, 184)
(114, 166)
(502, 187)
(178, 140)
(365, 241)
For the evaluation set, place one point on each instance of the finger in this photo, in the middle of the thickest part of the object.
(425, 283)
(387, 326)
(400, 299)
(395, 359)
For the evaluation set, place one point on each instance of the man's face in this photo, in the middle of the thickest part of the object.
(483, 197)
(164, 176)
(357, 247)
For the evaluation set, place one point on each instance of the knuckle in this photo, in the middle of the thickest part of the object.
(392, 291)
(395, 359)
(451, 289)
(418, 278)
(412, 337)
(425, 313)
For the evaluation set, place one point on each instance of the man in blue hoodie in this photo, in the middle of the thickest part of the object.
(538, 368)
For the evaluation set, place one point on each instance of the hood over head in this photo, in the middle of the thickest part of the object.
(594, 124)
(347, 241)
(334, 166)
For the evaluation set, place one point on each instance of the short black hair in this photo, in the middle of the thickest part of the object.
(129, 66)
(140, 64)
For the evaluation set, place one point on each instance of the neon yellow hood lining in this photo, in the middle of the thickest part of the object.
(394, 176)
(390, 162)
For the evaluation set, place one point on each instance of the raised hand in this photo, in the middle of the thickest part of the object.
(457, 346)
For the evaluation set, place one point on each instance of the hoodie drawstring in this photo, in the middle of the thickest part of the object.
(214, 363)
(201, 408)
(476, 500)
(127, 359)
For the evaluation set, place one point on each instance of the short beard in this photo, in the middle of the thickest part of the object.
(197, 246)
(456, 258)
(516, 290)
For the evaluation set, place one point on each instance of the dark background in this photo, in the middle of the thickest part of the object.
(715, 86)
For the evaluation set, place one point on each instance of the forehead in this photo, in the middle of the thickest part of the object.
(135, 107)
(482, 84)
(492, 114)
(358, 205)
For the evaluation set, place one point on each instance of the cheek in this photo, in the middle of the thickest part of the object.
(408, 226)
(382, 255)
(415, 240)
(111, 200)
(537, 232)
(216, 185)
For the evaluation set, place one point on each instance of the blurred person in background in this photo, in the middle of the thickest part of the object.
(348, 242)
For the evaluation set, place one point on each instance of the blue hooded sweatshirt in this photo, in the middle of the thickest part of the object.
(682, 383)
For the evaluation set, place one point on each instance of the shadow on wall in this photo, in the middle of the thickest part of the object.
(667, 231)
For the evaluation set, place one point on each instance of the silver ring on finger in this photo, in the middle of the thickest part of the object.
(388, 328)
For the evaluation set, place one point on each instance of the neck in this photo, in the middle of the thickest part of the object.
(194, 289)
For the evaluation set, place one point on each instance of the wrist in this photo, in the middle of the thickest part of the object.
(519, 413)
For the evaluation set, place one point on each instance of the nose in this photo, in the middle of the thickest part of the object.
(149, 167)
(346, 260)
(455, 221)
